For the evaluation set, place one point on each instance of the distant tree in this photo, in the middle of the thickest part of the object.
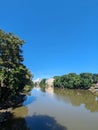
(57, 82)
(95, 78)
(86, 80)
(43, 82)
(75, 81)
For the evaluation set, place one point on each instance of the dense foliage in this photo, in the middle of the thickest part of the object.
(43, 84)
(75, 81)
(13, 74)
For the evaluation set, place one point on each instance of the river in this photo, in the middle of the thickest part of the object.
(56, 109)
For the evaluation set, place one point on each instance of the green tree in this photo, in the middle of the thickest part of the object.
(95, 78)
(43, 84)
(13, 74)
(57, 82)
(75, 81)
(86, 80)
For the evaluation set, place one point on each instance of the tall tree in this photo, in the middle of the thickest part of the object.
(13, 74)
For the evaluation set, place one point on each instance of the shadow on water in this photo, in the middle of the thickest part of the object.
(36, 122)
(14, 124)
(43, 122)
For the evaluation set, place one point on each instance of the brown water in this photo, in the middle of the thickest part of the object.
(57, 109)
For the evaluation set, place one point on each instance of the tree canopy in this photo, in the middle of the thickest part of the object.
(75, 81)
(13, 73)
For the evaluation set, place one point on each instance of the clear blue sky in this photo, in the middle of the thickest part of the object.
(61, 35)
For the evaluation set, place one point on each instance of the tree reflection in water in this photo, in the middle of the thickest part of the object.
(78, 97)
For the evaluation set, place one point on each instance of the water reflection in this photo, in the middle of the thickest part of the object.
(67, 107)
(78, 97)
(29, 100)
(49, 90)
(64, 110)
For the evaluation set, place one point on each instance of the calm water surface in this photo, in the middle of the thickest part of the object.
(58, 109)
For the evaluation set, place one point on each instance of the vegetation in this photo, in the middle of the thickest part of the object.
(43, 84)
(13, 73)
(75, 81)
(28, 87)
